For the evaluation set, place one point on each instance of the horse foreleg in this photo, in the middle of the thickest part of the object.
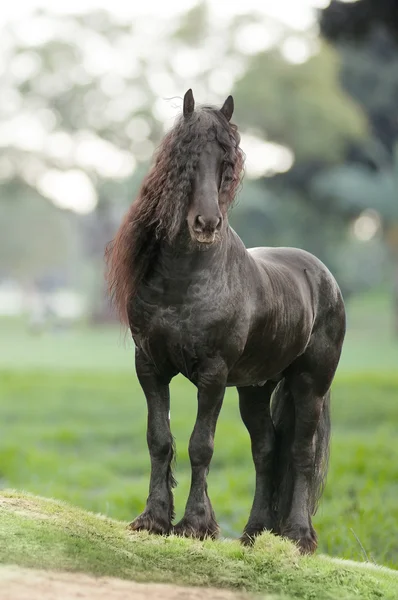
(254, 404)
(159, 511)
(199, 520)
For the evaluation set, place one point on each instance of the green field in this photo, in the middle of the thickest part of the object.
(73, 427)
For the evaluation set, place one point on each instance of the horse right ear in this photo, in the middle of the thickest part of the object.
(189, 103)
(227, 108)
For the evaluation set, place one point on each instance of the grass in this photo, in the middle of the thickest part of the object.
(105, 348)
(81, 437)
(370, 344)
(40, 533)
(73, 423)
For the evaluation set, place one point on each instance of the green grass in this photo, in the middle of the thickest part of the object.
(81, 437)
(45, 534)
(370, 344)
(106, 348)
(73, 417)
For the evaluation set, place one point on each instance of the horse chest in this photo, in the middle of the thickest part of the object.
(172, 323)
(179, 336)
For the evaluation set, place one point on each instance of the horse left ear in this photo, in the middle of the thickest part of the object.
(189, 103)
(228, 108)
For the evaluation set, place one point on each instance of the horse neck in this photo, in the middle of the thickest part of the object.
(179, 264)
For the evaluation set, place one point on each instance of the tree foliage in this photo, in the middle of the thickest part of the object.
(300, 106)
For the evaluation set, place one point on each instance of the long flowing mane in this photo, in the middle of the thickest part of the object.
(160, 209)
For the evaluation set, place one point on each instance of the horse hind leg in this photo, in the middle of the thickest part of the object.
(283, 418)
(309, 453)
(254, 404)
(304, 443)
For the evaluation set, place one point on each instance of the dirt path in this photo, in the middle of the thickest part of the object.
(26, 584)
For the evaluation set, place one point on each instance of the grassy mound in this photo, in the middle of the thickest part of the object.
(46, 534)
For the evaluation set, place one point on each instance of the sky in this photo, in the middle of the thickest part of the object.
(73, 189)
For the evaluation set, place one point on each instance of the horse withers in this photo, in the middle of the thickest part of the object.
(269, 321)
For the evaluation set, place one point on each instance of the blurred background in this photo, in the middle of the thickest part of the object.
(87, 92)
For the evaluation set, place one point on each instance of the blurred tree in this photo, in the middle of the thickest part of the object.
(37, 240)
(354, 21)
(193, 27)
(300, 106)
(366, 35)
(63, 110)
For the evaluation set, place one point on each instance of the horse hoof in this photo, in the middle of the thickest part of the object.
(248, 539)
(304, 538)
(197, 530)
(252, 531)
(151, 523)
(307, 545)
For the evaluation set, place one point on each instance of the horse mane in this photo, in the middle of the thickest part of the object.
(159, 211)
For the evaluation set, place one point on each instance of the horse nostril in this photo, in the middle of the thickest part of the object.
(200, 223)
(219, 223)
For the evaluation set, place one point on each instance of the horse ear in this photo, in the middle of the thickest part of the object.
(189, 103)
(228, 108)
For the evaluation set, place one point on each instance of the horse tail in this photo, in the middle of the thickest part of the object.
(322, 449)
(283, 417)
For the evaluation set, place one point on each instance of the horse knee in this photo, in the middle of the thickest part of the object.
(200, 451)
(160, 448)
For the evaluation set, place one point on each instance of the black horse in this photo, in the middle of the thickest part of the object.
(270, 321)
